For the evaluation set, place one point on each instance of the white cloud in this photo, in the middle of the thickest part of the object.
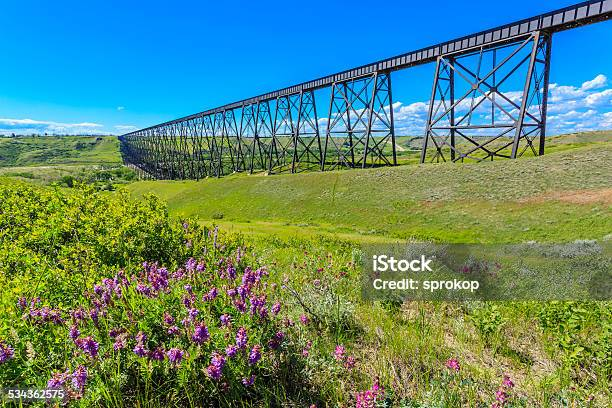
(120, 108)
(607, 120)
(599, 98)
(570, 109)
(27, 126)
(597, 82)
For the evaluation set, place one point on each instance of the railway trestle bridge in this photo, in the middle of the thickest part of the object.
(476, 111)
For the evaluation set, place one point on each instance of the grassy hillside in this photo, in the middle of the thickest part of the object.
(564, 195)
(54, 150)
(64, 159)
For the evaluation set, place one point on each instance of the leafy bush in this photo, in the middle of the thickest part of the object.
(87, 306)
(60, 241)
(488, 320)
(580, 330)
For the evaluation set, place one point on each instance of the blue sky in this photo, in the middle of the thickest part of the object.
(111, 66)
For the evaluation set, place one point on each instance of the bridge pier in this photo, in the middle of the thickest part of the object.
(263, 135)
(307, 149)
(360, 128)
(490, 117)
(282, 146)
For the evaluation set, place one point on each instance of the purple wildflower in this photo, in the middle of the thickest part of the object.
(168, 319)
(453, 364)
(157, 354)
(225, 319)
(200, 334)
(507, 382)
(240, 305)
(175, 355)
(350, 362)
(193, 312)
(119, 344)
(231, 272)
(255, 354)
(304, 319)
(367, 399)
(115, 332)
(173, 330)
(93, 313)
(213, 372)
(6, 352)
(74, 332)
(306, 350)
(187, 301)
(88, 345)
(78, 314)
(231, 350)
(212, 294)
(140, 350)
(339, 353)
(217, 360)
(98, 290)
(243, 291)
(57, 379)
(241, 338)
(276, 307)
(247, 382)
(144, 289)
(501, 396)
(141, 337)
(190, 265)
(79, 378)
(276, 340)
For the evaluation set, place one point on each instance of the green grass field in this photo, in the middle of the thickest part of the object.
(49, 159)
(308, 229)
(562, 196)
(26, 151)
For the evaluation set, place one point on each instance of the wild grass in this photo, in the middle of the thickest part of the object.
(21, 151)
(559, 197)
(308, 229)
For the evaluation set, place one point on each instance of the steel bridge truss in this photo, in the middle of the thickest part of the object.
(360, 131)
(474, 114)
(475, 111)
(279, 136)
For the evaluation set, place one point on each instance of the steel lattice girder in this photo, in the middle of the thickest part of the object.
(360, 123)
(307, 146)
(204, 144)
(458, 120)
(296, 142)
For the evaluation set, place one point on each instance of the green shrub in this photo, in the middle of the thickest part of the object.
(67, 239)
